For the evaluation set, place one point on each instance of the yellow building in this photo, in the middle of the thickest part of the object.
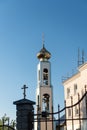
(74, 89)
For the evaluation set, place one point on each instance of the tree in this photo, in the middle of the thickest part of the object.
(6, 124)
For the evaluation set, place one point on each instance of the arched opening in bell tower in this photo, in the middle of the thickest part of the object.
(45, 76)
(46, 102)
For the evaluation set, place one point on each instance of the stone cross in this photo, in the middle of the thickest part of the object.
(24, 93)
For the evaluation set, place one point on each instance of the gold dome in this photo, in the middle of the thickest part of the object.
(44, 54)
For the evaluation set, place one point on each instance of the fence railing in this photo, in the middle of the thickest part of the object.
(7, 126)
(78, 113)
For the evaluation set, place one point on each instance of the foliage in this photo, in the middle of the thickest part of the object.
(6, 122)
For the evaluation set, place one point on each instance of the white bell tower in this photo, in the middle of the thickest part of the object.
(44, 96)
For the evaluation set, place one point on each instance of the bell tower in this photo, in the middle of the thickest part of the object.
(44, 96)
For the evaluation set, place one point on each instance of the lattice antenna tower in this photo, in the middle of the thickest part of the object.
(80, 59)
(82, 56)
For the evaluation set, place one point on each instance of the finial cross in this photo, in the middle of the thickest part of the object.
(24, 93)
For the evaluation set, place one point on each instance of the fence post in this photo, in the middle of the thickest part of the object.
(46, 121)
(79, 112)
(3, 124)
(72, 113)
(59, 116)
(65, 115)
(8, 123)
(52, 117)
(86, 100)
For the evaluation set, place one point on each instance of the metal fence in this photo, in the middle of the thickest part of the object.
(75, 113)
(7, 126)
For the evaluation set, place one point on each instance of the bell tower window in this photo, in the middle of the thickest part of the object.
(46, 102)
(45, 76)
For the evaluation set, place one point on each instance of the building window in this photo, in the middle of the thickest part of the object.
(75, 89)
(45, 76)
(68, 92)
(76, 110)
(69, 112)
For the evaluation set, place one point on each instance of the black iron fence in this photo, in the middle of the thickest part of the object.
(7, 126)
(67, 117)
(73, 117)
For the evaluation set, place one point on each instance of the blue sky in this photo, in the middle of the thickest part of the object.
(22, 23)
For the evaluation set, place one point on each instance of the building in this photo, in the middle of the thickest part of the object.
(44, 93)
(74, 89)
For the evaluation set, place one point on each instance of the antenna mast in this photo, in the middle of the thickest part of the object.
(78, 57)
(82, 56)
(80, 62)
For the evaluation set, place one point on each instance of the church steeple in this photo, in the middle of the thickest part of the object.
(44, 93)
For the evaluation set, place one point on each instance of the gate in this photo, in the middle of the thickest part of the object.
(66, 117)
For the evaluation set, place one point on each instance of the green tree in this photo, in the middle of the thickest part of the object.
(5, 122)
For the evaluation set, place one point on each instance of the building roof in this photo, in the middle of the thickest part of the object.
(24, 101)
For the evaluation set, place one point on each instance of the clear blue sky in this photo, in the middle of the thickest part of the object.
(22, 22)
